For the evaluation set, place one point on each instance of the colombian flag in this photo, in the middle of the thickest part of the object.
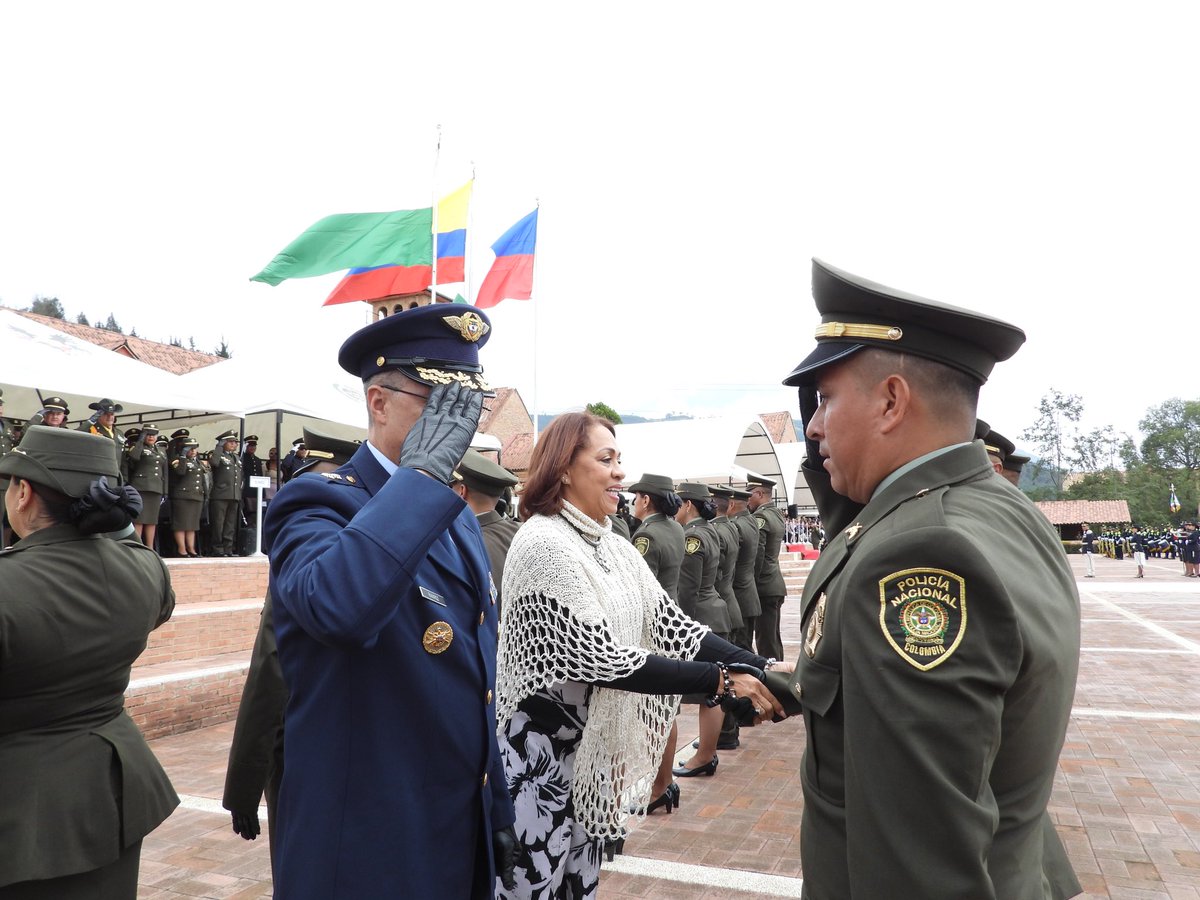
(371, 283)
(511, 275)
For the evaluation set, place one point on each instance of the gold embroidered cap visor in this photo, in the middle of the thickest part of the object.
(857, 313)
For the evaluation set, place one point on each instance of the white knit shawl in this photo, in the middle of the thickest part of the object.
(580, 604)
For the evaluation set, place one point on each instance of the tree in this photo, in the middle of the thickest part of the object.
(223, 349)
(1098, 449)
(191, 343)
(81, 319)
(1054, 434)
(175, 342)
(604, 411)
(48, 306)
(111, 325)
(1173, 437)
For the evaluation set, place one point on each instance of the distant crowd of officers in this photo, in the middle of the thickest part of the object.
(1160, 543)
(205, 499)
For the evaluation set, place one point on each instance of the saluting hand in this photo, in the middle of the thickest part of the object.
(439, 438)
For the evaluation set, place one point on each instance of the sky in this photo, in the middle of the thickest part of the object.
(1037, 162)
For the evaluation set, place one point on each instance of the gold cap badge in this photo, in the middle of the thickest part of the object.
(470, 326)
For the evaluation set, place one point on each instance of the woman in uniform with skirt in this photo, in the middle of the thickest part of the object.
(79, 787)
(189, 490)
(147, 468)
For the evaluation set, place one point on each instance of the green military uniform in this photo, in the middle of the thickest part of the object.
(660, 541)
(256, 750)
(80, 787)
(188, 484)
(620, 527)
(744, 585)
(224, 495)
(146, 471)
(698, 572)
(486, 481)
(936, 686)
(768, 579)
(730, 541)
(50, 403)
(93, 426)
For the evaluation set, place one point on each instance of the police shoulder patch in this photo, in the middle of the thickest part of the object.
(761, 521)
(642, 544)
(923, 614)
(691, 545)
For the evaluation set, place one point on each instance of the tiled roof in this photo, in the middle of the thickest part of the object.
(516, 453)
(1073, 512)
(176, 360)
(492, 407)
(780, 426)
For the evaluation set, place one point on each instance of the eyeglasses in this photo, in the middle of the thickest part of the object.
(397, 390)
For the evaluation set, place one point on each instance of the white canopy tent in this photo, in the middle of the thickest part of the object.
(791, 455)
(714, 451)
(277, 400)
(37, 362)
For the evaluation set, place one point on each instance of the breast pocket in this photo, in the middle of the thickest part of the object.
(824, 764)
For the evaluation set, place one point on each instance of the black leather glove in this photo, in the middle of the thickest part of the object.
(246, 825)
(808, 408)
(439, 438)
(504, 848)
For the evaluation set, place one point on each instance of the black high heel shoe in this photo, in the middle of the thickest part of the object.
(613, 848)
(709, 768)
(669, 799)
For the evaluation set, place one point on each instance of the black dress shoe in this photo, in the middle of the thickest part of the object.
(669, 799)
(709, 768)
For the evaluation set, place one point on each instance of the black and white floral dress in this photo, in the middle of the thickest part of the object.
(559, 861)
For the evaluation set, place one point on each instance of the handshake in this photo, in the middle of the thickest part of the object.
(777, 682)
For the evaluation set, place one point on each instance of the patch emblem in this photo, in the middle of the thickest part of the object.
(642, 544)
(762, 523)
(332, 476)
(923, 614)
(691, 545)
(437, 637)
(470, 326)
(816, 628)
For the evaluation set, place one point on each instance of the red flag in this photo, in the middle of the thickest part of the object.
(511, 275)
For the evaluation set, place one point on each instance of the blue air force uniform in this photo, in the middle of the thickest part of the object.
(386, 621)
(371, 672)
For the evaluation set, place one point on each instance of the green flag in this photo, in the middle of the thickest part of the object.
(355, 240)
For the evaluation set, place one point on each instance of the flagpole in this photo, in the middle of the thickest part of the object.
(536, 304)
(437, 156)
(468, 265)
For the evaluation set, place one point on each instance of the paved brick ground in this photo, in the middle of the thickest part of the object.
(1126, 800)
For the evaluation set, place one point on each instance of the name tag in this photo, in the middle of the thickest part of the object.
(432, 597)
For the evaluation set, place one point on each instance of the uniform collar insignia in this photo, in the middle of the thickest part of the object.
(852, 531)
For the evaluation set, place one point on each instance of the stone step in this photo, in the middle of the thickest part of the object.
(183, 695)
(197, 630)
